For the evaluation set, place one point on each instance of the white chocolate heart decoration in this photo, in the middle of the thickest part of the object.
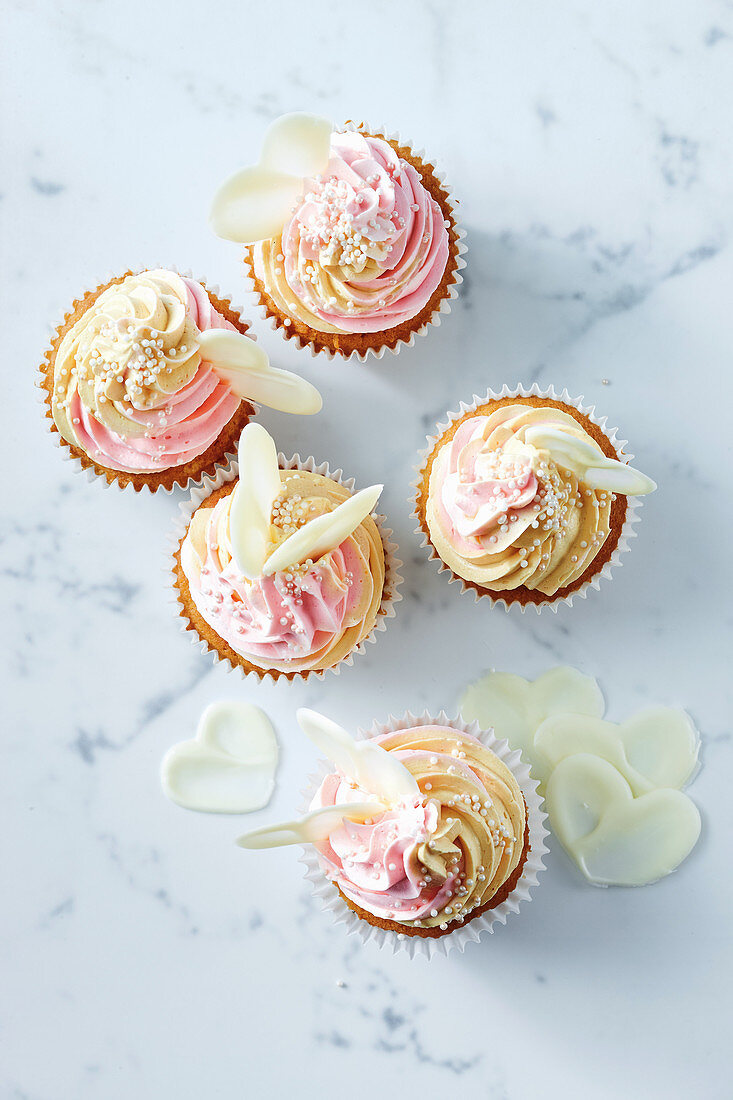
(616, 839)
(229, 767)
(656, 748)
(592, 769)
(514, 707)
(258, 486)
(588, 462)
(255, 203)
(663, 745)
(246, 369)
(250, 515)
(309, 829)
(298, 144)
(367, 763)
(316, 537)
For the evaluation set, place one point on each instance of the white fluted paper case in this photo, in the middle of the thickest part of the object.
(633, 508)
(441, 310)
(462, 934)
(89, 473)
(392, 577)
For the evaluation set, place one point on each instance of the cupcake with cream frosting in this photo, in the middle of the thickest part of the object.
(421, 827)
(525, 498)
(151, 377)
(362, 252)
(283, 571)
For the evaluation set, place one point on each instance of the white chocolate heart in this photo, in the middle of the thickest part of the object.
(255, 203)
(250, 516)
(514, 707)
(246, 369)
(309, 829)
(656, 748)
(316, 537)
(298, 144)
(367, 763)
(229, 767)
(254, 495)
(588, 462)
(616, 839)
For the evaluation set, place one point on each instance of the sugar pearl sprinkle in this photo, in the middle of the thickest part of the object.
(562, 509)
(225, 593)
(122, 359)
(452, 883)
(330, 230)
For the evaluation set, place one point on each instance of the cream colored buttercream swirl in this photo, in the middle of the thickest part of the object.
(504, 513)
(366, 247)
(433, 859)
(305, 618)
(129, 384)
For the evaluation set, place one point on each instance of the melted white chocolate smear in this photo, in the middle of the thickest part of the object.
(229, 767)
(612, 790)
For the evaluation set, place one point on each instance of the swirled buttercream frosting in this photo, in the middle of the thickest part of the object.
(365, 248)
(510, 505)
(130, 386)
(304, 618)
(435, 858)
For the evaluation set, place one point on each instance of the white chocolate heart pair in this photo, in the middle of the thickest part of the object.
(365, 762)
(255, 203)
(588, 462)
(615, 838)
(258, 486)
(246, 369)
(229, 767)
(514, 708)
(656, 748)
(612, 791)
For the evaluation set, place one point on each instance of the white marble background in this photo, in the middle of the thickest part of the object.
(146, 956)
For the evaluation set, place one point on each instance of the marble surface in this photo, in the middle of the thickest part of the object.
(146, 956)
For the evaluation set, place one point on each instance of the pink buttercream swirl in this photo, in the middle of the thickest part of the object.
(484, 492)
(179, 426)
(376, 864)
(284, 617)
(434, 857)
(367, 247)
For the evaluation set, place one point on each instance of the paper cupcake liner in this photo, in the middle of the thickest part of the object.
(462, 934)
(94, 472)
(633, 504)
(392, 577)
(443, 308)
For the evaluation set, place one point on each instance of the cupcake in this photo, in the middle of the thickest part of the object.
(282, 571)
(525, 498)
(151, 377)
(353, 241)
(422, 827)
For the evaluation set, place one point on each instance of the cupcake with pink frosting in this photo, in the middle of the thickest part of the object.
(527, 499)
(353, 246)
(421, 827)
(282, 571)
(151, 378)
